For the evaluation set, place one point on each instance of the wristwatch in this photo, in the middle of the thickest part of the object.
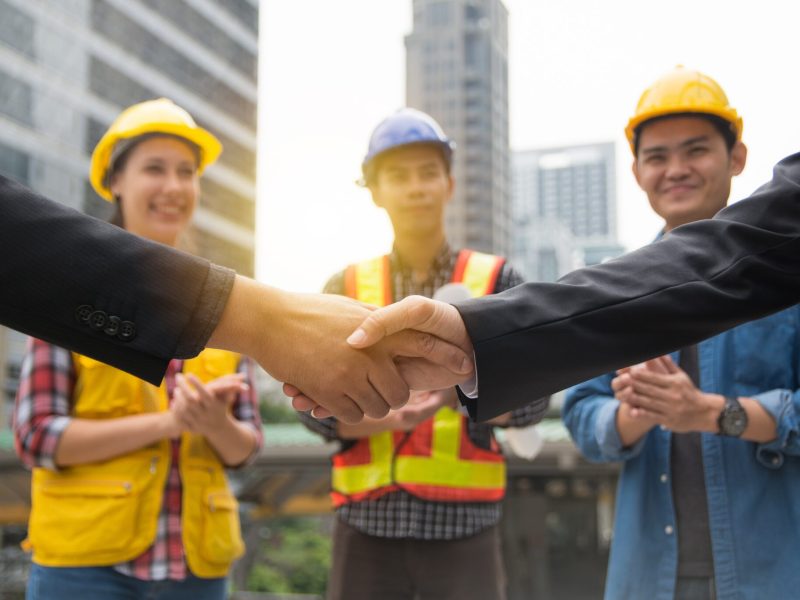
(732, 420)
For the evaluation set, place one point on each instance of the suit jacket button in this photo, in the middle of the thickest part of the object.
(83, 312)
(127, 331)
(112, 327)
(97, 320)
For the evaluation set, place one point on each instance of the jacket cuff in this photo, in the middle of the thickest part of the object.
(607, 434)
(211, 302)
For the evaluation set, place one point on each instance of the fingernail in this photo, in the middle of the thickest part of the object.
(358, 336)
(466, 365)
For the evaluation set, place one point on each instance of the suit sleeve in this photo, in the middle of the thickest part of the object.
(65, 275)
(704, 278)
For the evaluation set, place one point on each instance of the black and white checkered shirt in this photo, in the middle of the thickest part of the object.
(399, 514)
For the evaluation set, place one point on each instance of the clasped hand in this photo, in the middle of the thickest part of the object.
(661, 393)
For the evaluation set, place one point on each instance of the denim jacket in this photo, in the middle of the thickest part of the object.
(753, 489)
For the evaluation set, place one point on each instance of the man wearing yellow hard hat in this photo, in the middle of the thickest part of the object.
(707, 435)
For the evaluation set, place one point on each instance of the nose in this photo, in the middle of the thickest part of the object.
(172, 182)
(415, 185)
(677, 167)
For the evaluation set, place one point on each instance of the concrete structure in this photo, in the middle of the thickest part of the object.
(574, 186)
(67, 67)
(457, 71)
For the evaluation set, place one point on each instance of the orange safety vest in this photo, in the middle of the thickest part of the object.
(437, 460)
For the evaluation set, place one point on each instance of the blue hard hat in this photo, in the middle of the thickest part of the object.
(405, 127)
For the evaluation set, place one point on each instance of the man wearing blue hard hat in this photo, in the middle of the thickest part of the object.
(417, 493)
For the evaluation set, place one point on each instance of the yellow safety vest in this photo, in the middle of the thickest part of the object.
(437, 460)
(106, 512)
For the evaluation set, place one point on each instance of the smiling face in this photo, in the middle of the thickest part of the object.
(158, 188)
(413, 185)
(685, 168)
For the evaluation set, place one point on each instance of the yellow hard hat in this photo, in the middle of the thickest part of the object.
(152, 116)
(683, 91)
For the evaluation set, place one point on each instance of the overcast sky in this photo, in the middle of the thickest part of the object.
(329, 71)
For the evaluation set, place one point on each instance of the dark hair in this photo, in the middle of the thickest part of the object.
(725, 128)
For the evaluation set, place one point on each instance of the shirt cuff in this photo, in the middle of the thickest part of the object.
(470, 387)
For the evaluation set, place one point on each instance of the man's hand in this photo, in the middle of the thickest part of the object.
(661, 392)
(421, 406)
(414, 315)
(300, 338)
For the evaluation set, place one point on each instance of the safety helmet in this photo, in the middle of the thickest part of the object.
(683, 91)
(405, 127)
(150, 117)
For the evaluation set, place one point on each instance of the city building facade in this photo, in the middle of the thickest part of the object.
(67, 68)
(457, 71)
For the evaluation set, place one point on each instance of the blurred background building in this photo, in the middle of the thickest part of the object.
(564, 209)
(457, 71)
(67, 68)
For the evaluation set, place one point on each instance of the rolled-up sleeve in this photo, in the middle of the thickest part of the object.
(42, 408)
(782, 405)
(246, 410)
(590, 415)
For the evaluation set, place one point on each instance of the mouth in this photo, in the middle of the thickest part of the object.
(168, 211)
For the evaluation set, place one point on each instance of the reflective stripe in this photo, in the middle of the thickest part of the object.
(370, 281)
(480, 273)
(356, 479)
(444, 471)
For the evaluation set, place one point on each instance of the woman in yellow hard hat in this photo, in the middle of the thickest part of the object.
(129, 494)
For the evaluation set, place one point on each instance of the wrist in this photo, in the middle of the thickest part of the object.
(715, 404)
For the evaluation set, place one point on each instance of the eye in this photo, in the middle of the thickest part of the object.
(697, 150)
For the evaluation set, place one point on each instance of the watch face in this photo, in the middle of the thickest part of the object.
(733, 420)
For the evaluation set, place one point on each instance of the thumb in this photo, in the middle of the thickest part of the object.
(413, 312)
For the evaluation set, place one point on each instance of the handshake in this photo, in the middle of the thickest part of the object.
(339, 357)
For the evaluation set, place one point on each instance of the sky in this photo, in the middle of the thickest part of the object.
(330, 71)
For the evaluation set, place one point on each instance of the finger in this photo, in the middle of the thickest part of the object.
(290, 390)
(189, 392)
(652, 392)
(623, 370)
(199, 387)
(303, 403)
(320, 413)
(389, 385)
(414, 312)
(645, 375)
(670, 365)
(391, 319)
(349, 410)
(620, 383)
(415, 344)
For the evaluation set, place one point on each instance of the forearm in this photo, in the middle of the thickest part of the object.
(88, 440)
(233, 441)
(760, 424)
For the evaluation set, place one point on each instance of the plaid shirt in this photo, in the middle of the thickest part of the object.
(399, 514)
(43, 410)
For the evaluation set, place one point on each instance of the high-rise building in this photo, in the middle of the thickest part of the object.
(560, 193)
(457, 71)
(67, 68)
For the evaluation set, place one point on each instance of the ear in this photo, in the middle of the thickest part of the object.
(738, 158)
(114, 184)
(451, 188)
(374, 191)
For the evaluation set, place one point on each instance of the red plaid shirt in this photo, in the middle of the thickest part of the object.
(43, 410)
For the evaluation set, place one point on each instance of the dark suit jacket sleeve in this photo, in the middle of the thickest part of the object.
(56, 260)
(704, 278)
